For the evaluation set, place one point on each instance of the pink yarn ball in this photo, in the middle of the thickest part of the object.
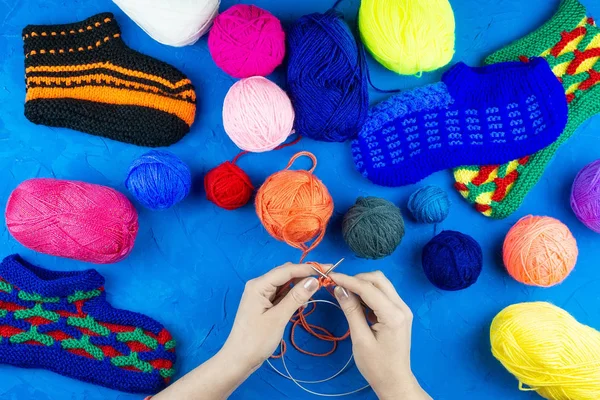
(247, 41)
(257, 115)
(585, 196)
(72, 219)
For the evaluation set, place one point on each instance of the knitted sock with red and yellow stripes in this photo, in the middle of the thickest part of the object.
(570, 43)
(82, 76)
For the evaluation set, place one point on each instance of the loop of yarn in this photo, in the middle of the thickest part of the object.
(539, 251)
(257, 115)
(159, 180)
(585, 196)
(247, 41)
(228, 186)
(174, 23)
(406, 36)
(326, 78)
(430, 204)
(373, 227)
(548, 351)
(72, 219)
(452, 260)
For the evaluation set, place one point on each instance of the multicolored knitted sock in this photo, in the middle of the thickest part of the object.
(82, 76)
(61, 321)
(570, 42)
(494, 113)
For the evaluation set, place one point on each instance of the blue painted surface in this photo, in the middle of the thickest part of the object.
(190, 263)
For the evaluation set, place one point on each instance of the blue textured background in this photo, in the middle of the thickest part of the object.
(190, 263)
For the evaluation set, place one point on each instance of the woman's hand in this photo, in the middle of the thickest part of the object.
(382, 350)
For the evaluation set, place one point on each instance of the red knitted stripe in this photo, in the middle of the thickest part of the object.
(502, 185)
(580, 58)
(110, 351)
(591, 21)
(117, 328)
(570, 97)
(482, 207)
(484, 174)
(161, 363)
(591, 81)
(58, 335)
(131, 368)
(566, 38)
(33, 343)
(80, 352)
(86, 331)
(163, 336)
(9, 331)
(67, 314)
(38, 321)
(12, 307)
(138, 347)
(461, 187)
(524, 160)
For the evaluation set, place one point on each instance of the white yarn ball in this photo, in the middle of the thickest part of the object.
(172, 22)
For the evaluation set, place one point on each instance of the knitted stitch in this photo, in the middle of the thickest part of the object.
(82, 76)
(570, 42)
(494, 113)
(61, 321)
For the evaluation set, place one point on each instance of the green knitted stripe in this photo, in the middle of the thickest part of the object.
(80, 295)
(131, 360)
(592, 31)
(167, 373)
(84, 344)
(170, 344)
(5, 287)
(475, 191)
(37, 298)
(37, 311)
(88, 323)
(502, 170)
(3, 313)
(34, 335)
(138, 335)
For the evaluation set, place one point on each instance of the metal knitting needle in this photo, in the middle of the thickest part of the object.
(325, 274)
(333, 267)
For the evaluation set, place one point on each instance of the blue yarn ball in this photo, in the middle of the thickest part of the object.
(452, 260)
(327, 78)
(159, 180)
(430, 204)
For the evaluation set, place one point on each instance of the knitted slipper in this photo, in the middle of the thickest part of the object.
(61, 321)
(570, 42)
(494, 113)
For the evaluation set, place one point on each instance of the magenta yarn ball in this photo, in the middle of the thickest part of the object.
(585, 196)
(247, 41)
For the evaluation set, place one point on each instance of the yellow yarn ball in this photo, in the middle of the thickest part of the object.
(548, 351)
(408, 36)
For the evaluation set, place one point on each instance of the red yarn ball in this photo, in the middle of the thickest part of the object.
(228, 186)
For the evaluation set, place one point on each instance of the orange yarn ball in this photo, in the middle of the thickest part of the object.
(295, 206)
(539, 251)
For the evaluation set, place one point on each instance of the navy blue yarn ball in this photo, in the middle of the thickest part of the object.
(159, 180)
(326, 78)
(452, 260)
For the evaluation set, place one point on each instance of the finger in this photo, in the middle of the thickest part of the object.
(381, 282)
(373, 297)
(296, 298)
(359, 328)
(283, 274)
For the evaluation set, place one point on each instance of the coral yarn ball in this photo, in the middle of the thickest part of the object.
(247, 41)
(72, 219)
(228, 186)
(539, 251)
(585, 196)
(257, 115)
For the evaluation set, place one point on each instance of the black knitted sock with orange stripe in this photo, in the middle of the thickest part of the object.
(82, 76)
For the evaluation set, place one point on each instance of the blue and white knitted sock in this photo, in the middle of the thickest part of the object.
(480, 116)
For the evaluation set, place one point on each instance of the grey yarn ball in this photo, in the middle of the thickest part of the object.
(373, 227)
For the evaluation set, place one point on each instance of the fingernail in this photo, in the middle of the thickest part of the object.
(341, 293)
(311, 284)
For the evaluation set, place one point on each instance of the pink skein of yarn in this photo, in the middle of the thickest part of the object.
(72, 219)
(247, 41)
(585, 196)
(257, 115)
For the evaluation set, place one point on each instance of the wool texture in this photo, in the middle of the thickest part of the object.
(72, 219)
(494, 113)
(570, 43)
(373, 227)
(82, 76)
(585, 196)
(430, 204)
(61, 321)
(326, 78)
(228, 186)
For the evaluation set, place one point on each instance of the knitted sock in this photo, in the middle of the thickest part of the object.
(494, 113)
(82, 76)
(61, 321)
(570, 42)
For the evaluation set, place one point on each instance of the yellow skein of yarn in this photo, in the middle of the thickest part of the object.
(408, 36)
(548, 351)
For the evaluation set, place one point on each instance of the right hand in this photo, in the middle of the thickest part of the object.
(382, 350)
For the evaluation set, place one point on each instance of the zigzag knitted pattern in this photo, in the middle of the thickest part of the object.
(570, 42)
(493, 113)
(82, 76)
(61, 321)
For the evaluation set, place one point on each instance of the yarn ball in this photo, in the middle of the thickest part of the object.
(72, 219)
(407, 36)
(257, 115)
(247, 41)
(228, 186)
(176, 23)
(539, 251)
(430, 204)
(159, 180)
(585, 196)
(326, 78)
(548, 351)
(294, 206)
(373, 227)
(452, 260)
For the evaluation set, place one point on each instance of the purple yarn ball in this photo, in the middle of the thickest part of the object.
(585, 196)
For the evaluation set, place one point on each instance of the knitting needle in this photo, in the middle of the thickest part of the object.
(334, 267)
(325, 274)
